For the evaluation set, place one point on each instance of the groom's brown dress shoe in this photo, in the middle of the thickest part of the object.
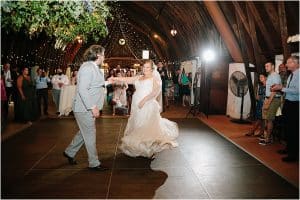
(99, 168)
(71, 160)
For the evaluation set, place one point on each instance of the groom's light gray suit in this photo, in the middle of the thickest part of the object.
(89, 93)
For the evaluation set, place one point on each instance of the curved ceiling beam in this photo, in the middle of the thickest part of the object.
(179, 15)
(161, 49)
(162, 22)
(156, 48)
(224, 29)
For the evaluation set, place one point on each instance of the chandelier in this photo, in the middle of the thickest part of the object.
(173, 31)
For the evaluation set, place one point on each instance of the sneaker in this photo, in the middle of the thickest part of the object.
(262, 137)
(265, 142)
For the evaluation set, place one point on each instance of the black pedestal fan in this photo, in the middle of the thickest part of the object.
(239, 87)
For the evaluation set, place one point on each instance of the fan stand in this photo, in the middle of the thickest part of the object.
(241, 120)
(194, 110)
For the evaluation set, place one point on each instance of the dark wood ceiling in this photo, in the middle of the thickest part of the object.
(141, 20)
(145, 25)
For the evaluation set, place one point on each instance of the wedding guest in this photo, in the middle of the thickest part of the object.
(4, 105)
(41, 83)
(26, 106)
(260, 96)
(271, 103)
(74, 77)
(58, 81)
(291, 109)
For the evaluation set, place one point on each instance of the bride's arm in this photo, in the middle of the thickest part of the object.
(128, 80)
(155, 91)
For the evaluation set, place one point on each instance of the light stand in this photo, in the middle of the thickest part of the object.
(196, 108)
(207, 87)
(208, 56)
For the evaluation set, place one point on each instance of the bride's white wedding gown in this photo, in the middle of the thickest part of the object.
(147, 133)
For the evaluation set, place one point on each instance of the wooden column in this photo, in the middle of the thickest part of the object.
(224, 29)
(283, 30)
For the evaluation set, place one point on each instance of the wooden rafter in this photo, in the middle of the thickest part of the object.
(162, 22)
(283, 29)
(156, 48)
(224, 29)
(272, 13)
(243, 18)
(261, 25)
(246, 62)
(145, 30)
(256, 48)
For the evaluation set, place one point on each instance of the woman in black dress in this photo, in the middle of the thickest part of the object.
(26, 105)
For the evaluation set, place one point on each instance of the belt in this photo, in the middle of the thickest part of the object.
(286, 100)
(273, 97)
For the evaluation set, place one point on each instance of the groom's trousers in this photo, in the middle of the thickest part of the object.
(86, 135)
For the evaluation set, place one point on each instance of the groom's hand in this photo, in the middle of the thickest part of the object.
(95, 112)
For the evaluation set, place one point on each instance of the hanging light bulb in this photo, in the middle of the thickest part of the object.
(173, 31)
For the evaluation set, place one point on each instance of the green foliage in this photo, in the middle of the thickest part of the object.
(63, 20)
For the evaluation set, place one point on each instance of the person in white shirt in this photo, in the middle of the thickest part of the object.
(58, 81)
(271, 103)
(8, 81)
(119, 96)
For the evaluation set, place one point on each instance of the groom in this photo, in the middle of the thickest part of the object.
(88, 101)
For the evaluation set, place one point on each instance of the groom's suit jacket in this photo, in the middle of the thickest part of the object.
(90, 88)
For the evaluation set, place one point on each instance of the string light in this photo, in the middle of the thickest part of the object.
(121, 27)
(173, 31)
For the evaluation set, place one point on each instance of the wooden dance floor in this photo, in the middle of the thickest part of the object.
(205, 165)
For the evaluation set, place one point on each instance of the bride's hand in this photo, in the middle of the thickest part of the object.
(111, 80)
(141, 104)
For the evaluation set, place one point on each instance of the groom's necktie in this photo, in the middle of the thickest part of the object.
(290, 80)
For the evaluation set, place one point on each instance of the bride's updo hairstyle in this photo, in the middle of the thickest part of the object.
(91, 54)
(151, 63)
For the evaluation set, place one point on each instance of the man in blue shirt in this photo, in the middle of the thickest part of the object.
(41, 84)
(291, 108)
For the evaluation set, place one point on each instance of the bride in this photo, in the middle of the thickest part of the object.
(146, 133)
